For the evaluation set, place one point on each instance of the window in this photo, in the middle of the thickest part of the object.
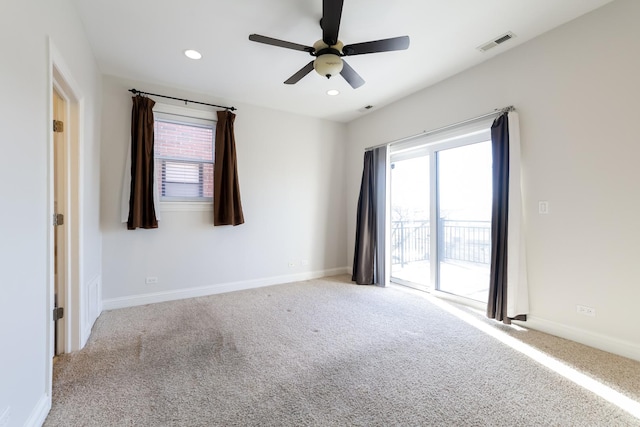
(183, 156)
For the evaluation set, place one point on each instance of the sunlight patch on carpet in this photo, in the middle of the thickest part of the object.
(615, 397)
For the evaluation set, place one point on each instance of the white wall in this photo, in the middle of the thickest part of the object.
(291, 172)
(24, 184)
(576, 89)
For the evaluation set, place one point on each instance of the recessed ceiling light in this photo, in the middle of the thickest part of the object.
(192, 54)
(333, 92)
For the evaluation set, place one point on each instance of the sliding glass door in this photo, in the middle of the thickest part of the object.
(410, 227)
(464, 220)
(440, 225)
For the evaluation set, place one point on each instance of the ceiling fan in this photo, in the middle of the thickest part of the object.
(329, 51)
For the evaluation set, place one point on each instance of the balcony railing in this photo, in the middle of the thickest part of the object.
(467, 241)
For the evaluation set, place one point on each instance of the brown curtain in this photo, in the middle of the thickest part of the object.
(142, 212)
(497, 304)
(227, 206)
(369, 254)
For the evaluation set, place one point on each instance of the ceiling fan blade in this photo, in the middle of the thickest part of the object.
(300, 74)
(386, 45)
(351, 76)
(330, 23)
(280, 43)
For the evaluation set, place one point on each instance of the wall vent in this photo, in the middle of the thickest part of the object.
(495, 42)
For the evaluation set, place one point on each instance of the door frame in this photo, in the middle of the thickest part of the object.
(60, 182)
(62, 81)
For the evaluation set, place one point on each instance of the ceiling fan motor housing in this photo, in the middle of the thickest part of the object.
(328, 61)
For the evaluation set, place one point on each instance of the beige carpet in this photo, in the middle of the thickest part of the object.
(323, 353)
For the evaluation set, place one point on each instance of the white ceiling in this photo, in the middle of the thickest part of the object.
(144, 40)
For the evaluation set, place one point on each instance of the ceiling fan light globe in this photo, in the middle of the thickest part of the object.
(319, 45)
(328, 65)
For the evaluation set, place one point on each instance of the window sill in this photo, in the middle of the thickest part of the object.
(186, 206)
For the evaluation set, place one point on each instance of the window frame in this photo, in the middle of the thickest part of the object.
(184, 115)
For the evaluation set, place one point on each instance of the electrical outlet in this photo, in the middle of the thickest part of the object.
(543, 207)
(4, 417)
(304, 262)
(587, 311)
(150, 280)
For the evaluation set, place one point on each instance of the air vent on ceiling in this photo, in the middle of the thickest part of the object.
(498, 40)
(365, 108)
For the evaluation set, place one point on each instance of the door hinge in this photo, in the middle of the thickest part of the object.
(58, 313)
(58, 126)
(58, 219)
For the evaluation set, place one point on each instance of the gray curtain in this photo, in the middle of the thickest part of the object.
(142, 212)
(497, 304)
(369, 254)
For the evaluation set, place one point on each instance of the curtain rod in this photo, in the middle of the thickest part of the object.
(137, 92)
(431, 132)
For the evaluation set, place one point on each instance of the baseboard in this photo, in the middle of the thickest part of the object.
(40, 412)
(592, 339)
(135, 300)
